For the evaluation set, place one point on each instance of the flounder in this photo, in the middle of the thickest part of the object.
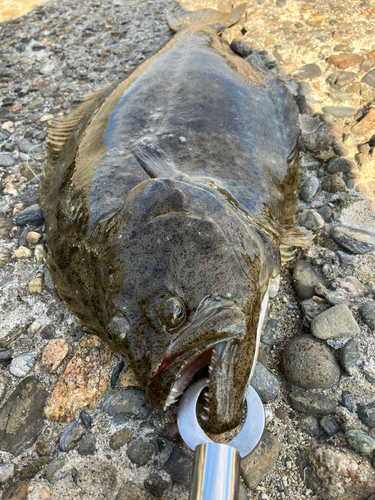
(167, 197)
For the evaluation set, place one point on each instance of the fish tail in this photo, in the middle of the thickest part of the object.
(205, 17)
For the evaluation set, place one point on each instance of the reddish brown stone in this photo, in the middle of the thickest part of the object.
(365, 129)
(343, 61)
(82, 383)
(54, 354)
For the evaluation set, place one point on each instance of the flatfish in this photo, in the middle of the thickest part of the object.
(167, 198)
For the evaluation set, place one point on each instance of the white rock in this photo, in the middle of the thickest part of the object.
(21, 365)
(6, 472)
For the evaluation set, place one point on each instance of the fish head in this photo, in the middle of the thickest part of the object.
(188, 297)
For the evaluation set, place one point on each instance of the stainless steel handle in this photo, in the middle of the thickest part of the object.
(216, 472)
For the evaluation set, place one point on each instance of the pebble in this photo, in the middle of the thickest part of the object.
(132, 492)
(179, 466)
(334, 323)
(54, 353)
(6, 160)
(266, 385)
(21, 365)
(366, 413)
(44, 447)
(82, 383)
(156, 485)
(334, 184)
(85, 419)
(22, 253)
(367, 312)
(304, 280)
(364, 129)
(10, 189)
(309, 188)
(5, 228)
(352, 286)
(33, 238)
(343, 61)
(31, 215)
(241, 48)
(339, 96)
(48, 282)
(312, 220)
(25, 146)
(3, 388)
(119, 438)
(311, 402)
(347, 401)
(37, 103)
(327, 118)
(354, 240)
(335, 298)
(54, 471)
(140, 452)
(17, 491)
(46, 118)
(70, 436)
(340, 111)
(255, 466)
(330, 426)
(369, 78)
(333, 474)
(350, 355)
(361, 442)
(116, 373)
(6, 472)
(32, 469)
(8, 127)
(340, 79)
(35, 286)
(4, 257)
(267, 337)
(342, 165)
(310, 425)
(369, 370)
(39, 254)
(87, 445)
(131, 402)
(309, 363)
(307, 72)
(21, 417)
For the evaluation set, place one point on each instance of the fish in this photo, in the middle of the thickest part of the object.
(170, 200)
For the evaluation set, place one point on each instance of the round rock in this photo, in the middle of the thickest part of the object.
(265, 384)
(140, 453)
(309, 363)
(304, 280)
(119, 438)
(155, 484)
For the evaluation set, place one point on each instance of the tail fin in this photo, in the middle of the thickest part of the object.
(208, 17)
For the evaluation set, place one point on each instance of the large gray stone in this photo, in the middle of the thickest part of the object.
(21, 418)
(334, 323)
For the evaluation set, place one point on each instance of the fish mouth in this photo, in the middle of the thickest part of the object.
(217, 327)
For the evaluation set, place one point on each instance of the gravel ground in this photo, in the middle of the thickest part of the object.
(50, 59)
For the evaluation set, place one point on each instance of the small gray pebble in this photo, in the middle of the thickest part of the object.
(330, 426)
(140, 452)
(267, 337)
(327, 118)
(367, 312)
(72, 433)
(334, 323)
(341, 79)
(31, 215)
(311, 220)
(87, 445)
(341, 165)
(309, 188)
(179, 466)
(347, 402)
(265, 384)
(49, 283)
(6, 160)
(25, 146)
(304, 280)
(369, 78)
(326, 212)
(310, 425)
(155, 484)
(307, 72)
(127, 402)
(350, 183)
(349, 355)
(6, 472)
(85, 419)
(54, 472)
(311, 402)
(366, 413)
(21, 365)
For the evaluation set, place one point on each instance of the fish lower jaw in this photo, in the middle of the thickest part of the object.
(186, 375)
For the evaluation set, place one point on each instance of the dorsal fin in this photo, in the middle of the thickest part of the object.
(58, 135)
(155, 161)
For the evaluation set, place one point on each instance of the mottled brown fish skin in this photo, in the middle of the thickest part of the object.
(165, 211)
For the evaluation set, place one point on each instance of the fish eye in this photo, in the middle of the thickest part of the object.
(170, 311)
